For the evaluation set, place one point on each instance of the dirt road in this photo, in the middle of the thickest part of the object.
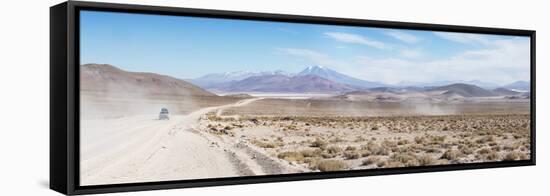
(143, 149)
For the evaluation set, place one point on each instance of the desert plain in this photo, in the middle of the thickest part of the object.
(213, 135)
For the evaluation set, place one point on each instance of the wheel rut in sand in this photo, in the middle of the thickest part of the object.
(246, 160)
(268, 165)
(152, 150)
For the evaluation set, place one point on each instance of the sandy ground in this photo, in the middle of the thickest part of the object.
(379, 142)
(144, 149)
(328, 135)
(229, 137)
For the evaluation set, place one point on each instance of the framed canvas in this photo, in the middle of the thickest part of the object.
(146, 97)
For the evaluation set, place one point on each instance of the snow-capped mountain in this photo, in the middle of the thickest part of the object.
(311, 79)
(282, 83)
(338, 77)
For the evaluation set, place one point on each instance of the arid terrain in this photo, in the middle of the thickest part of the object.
(238, 134)
(330, 143)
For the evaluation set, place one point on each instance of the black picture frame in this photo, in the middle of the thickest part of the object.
(64, 96)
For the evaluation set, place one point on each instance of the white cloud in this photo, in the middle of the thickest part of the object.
(321, 59)
(303, 53)
(404, 37)
(501, 62)
(311, 55)
(356, 39)
(464, 38)
(504, 62)
(411, 53)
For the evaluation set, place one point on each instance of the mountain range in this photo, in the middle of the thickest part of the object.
(216, 79)
(328, 80)
(110, 79)
(282, 83)
(338, 77)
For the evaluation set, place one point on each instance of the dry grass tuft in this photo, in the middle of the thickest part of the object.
(371, 160)
(451, 155)
(402, 142)
(484, 151)
(292, 156)
(514, 156)
(267, 144)
(311, 153)
(492, 156)
(318, 143)
(331, 165)
(405, 159)
(352, 154)
(425, 160)
(334, 149)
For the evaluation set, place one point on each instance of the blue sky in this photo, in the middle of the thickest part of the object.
(189, 47)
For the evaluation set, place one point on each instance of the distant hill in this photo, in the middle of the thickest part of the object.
(240, 95)
(505, 91)
(110, 79)
(479, 83)
(338, 77)
(215, 79)
(282, 83)
(464, 90)
(519, 85)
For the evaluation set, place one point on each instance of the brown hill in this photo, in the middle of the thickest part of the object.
(465, 90)
(104, 78)
(505, 91)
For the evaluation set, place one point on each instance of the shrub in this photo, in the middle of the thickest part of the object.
(403, 142)
(360, 139)
(388, 143)
(493, 156)
(377, 149)
(438, 139)
(466, 150)
(312, 162)
(405, 159)
(365, 153)
(419, 140)
(485, 139)
(432, 150)
(351, 148)
(311, 153)
(390, 164)
(514, 155)
(337, 139)
(327, 155)
(484, 151)
(424, 160)
(331, 165)
(334, 150)
(451, 155)
(264, 144)
(351, 155)
(291, 156)
(381, 163)
(318, 143)
(371, 160)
